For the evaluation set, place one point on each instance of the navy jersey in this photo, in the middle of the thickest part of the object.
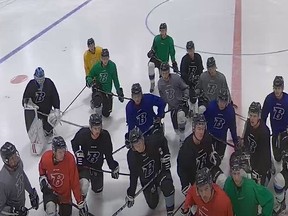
(219, 121)
(147, 164)
(94, 149)
(143, 115)
(191, 69)
(278, 110)
(45, 98)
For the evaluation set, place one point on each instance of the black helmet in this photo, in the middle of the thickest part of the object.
(164, 67)
(7, 150)
(162, 26)
(235, 161)
(211, 62)
(90, 41)
(134, 135)
(58, 143)
(190, 45)
(255, 107)
(105, 53)
(198, 119)
(278, 81)
(203, 176)
(223, 94)
(95, 120)
(136, 88)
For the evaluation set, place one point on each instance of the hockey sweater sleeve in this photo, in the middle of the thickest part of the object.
(189, 200)
(115, 77)
(184, 67)
(159, 102)
(112, 164)
(130, 120)
(265, 110)
(172, 49)
(232, 124)
(265, 199)
(132, 164)
(55, 95)
(74, 179)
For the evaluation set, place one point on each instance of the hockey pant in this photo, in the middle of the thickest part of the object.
(50, 201)
(174, 114)
(262, 178)
(48, 129)
(219, 147)
(86, 176)
(218, 176)
(277, 148)
(102, 103)
(165, 182)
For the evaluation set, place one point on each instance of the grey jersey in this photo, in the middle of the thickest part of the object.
(212, 85)
(12, 188)
(173, 90)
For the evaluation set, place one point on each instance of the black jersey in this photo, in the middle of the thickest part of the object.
(94, 149)
(45, 98)
(192, 157)
(191, 69)
(257, 142)
(147, 164)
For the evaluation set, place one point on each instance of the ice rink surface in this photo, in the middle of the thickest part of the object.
(53, 34)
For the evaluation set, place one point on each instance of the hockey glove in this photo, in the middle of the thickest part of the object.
(151, 54)
(54, 117)
(175, 66)
(185, 189)
(129, 200)
(120, 95)
(28, 103)
(34, 199)
(22, 211)
(83, 208)
(215, 158)
(79, 157)
(115, 173)
(89, 81)
(45, 187)
(127, 141)
(165, 161)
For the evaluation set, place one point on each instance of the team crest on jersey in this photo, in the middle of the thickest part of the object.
(39, 96)
(57, 179)
(148, 168)
(93, 156)
(252, 143)
(201, 160)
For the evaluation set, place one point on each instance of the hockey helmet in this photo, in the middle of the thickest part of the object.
(7, 150)
(90, 41)
(164, 67)
(223, 95)
(198, 119)
(95, 120)
(39, 75)
(255, 107)
(235, 161)
(58, 143)
(279, 183)
(203, 177)
(211, 62)
(163, 26)
(190, 45)
(278, 81)
(105, 53)
(135, 135)
(136, 88)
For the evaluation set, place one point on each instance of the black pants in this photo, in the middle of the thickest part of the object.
(65, 209)
(277, 148)
(96, 178)
(219, 147)
(173, 115)
(46, 126)
(106, 100)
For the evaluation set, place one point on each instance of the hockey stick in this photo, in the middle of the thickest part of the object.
(105, 171)
(174, 213)
(73, 100)
(76, 206)
(241, 117)
(112, 94)
(222, 141)
(15, 214)
(138, 192)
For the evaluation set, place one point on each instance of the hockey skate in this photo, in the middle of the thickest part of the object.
(152, 87)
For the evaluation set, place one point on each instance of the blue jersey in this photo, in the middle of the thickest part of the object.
(143, 115)
(278, 110)
(219, 121)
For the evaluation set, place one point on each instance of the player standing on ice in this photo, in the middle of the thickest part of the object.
(100, 79)
(256, 137)
(162, 48)
(191, 68)
(92, 55)
(175, 93)
(209, 198)
(276, 104)
(13, 183)
(58, 176)
(197, 153)
(90, 145)
(40, 95)
(139, 110)
(220, 116)
(146, 157)
(244, 193)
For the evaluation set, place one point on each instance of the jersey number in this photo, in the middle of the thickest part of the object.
(148, 169)
(278, 113)
(219, 122)
(40, 96)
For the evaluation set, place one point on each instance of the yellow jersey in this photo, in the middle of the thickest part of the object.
(91, 58)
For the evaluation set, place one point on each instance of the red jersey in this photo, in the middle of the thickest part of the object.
(219, 205)
(63, 177)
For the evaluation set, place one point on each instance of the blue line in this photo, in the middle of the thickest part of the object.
(13, 52)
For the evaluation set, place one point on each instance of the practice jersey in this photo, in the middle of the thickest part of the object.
(245, 199)
(163, 48)
(212, 85)
(104, 75)
(219, 121)
(193, 157)
(63, 176)
(173, 90)
(90, 59)
(44, 98)
(278, 112)
(143, 115)
(94, 149)
(12, 188)
(219, 205)
(191, 69)
(257, 142)
(147, 164)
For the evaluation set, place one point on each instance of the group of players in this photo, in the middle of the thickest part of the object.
(190, 93)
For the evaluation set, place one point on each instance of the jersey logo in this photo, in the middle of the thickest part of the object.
(170, 93)
(57, 179)
(192, 72)
(141, 118)
(103, 77)
(211, 88)
(252, 143)
(39, 96)
(93, 156)
(219, 122)
(278, 113)
(203, 211)
(19, 184)
(148, 168)
(201, 160)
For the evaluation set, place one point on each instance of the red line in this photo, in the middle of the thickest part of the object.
(236, 87)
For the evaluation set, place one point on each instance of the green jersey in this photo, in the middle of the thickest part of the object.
(104, 75)
(245, 199)
(163, 48)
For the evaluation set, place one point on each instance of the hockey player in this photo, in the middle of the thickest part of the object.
(220, 116)
(13, 183)
(91, 56)
(257, 141)
(276, 104)
(100, 79)
(89, 146)
(209, 198)
(146, 157)
(39, 97)
(58, 176)
(191, 68)
(139, 110)
(175, 93)
(245, 194)
(197, 153)
(162, 47)
(211, 81)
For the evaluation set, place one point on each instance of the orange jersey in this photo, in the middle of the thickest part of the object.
(91, 59)
(219, 205)
(63, 177)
